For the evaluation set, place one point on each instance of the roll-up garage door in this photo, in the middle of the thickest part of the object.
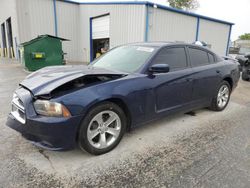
(100, 27)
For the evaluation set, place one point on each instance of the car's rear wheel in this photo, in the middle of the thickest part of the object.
(102, 128)
(245, 76)
(222, 97)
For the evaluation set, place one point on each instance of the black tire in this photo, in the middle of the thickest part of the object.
(214, 104)
(83, 141)
(245, 76)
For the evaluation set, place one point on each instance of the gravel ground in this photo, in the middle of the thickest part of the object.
(202, 149)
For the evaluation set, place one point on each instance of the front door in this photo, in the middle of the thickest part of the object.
(173, 89)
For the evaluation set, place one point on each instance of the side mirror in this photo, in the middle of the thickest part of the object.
(159, 68)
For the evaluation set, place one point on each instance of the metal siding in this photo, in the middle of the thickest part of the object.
(153, 4)
(41, 13)
(8, 9)
(170, 26)
(68, 27)
(23, 20)
(35, 17)
(215, 34)
(127, 24)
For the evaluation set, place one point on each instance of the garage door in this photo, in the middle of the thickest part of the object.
(100, 27)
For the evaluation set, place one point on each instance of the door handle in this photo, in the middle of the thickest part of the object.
(217, 71)
(189, 79)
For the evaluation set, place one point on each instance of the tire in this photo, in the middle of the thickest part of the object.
(95, 132)
(245, 76)
(219, 106)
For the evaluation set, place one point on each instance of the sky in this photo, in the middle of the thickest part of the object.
(235, 11)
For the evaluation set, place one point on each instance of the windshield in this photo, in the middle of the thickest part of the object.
(125, 58)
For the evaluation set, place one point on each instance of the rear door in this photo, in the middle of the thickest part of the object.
(173, 89)
(206, 75)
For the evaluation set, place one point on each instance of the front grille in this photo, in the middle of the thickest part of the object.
(18, 110)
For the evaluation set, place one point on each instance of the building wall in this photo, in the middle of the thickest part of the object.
(165, 25)
(170, 26)
(31, 18)
(127, 24)
(37, 17)
(8, 9)
(241, 43)
(68, 22)
(214, 34)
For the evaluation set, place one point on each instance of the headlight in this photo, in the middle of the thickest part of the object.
(47, 108)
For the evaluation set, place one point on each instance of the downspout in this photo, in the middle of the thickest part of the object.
(197, 29)
(146, 23)
(228, 40)
(55, 17)
(90, 40)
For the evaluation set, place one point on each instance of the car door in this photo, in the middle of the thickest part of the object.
(206, 75)
(173, 89)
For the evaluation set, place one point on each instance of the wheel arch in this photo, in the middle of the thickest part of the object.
(115, 100)
(124, 107)
(229, 80)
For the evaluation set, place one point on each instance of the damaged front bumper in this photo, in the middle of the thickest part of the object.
(49, 133)
(54, 133)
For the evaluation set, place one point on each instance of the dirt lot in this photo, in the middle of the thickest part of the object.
(206, 149)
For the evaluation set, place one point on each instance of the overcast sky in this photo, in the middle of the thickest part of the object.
(236, 11)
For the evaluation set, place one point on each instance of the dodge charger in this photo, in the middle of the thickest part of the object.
(92, 106)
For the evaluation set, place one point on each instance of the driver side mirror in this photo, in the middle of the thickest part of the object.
(159, 68)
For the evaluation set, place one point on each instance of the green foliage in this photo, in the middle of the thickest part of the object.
(246, 36)
(184, 4)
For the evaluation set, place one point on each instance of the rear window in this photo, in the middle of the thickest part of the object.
(198, 57)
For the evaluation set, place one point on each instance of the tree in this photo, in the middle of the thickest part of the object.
(184, 4)
(246, 36)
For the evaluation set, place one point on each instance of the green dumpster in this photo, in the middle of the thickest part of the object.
(45, 50)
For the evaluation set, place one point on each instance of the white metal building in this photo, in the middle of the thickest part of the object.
(91, 26)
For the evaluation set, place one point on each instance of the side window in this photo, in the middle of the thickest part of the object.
(198, 57)
(211, 58)
(175, 57)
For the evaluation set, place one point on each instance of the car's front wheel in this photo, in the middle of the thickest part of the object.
(102, 128)
(222, 97)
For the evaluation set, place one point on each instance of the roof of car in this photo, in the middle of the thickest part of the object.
(162, 43)
(152, 44)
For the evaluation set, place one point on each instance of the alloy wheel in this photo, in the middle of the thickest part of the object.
(104, 129)
(223, 96)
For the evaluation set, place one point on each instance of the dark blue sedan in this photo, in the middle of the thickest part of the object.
(93, 106)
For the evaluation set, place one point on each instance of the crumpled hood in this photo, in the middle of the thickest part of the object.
(45, 80)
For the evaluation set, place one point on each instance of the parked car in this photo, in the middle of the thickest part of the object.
(246, 69)
(242, 60)
(93, 106)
